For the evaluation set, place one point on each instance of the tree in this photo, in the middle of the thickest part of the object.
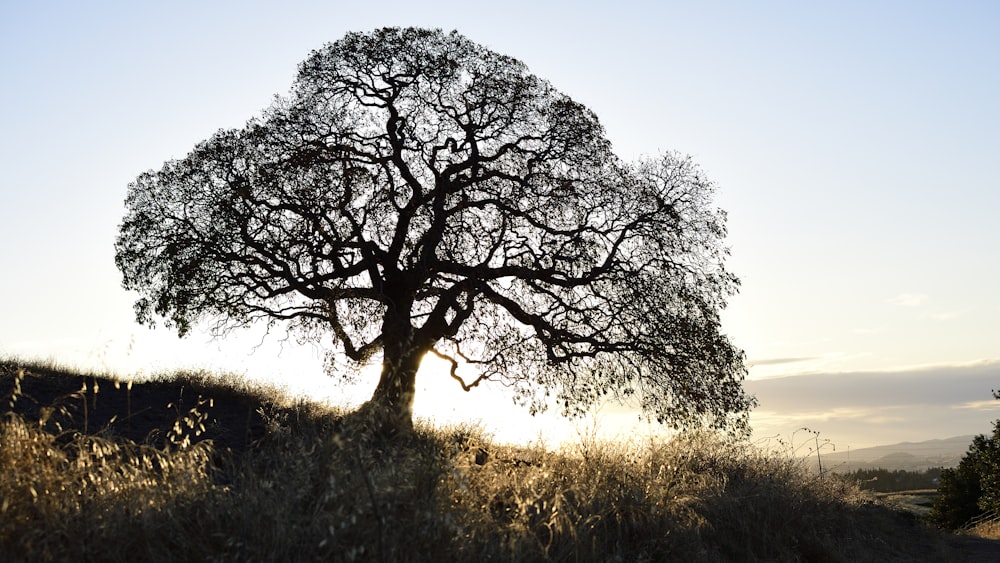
(973, 488)
(417, 193)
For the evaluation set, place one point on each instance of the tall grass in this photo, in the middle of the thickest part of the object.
(307, 491)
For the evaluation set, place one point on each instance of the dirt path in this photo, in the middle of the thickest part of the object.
(977, 550)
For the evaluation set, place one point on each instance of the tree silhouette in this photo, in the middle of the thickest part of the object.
(417, 193)
(972, 489)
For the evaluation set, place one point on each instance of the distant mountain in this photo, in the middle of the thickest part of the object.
(908, 456)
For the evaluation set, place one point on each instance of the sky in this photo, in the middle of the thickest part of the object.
(855, 145)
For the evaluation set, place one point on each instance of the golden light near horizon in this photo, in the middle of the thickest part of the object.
(270, 359)
(842, 406)
(491, 407)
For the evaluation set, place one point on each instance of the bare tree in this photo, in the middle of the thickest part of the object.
(418, 193)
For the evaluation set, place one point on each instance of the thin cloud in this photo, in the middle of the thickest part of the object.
(946, 316)
(947, 385)
(980, 405)
(854, 428)
(869, 408)
(908, 299)
(870, 415)
(774, 361)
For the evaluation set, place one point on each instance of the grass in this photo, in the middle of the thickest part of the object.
(234, 473)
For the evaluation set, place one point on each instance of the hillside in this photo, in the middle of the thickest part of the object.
(89, 471)
(906, 456)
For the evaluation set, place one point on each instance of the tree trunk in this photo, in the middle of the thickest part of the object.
(390, 410)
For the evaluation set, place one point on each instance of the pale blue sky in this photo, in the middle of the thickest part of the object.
(856, 146)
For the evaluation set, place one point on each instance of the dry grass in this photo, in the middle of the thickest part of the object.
(988, 530)
(304, 491)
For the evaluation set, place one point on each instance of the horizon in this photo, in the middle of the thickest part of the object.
(851, 145)
(565, 433)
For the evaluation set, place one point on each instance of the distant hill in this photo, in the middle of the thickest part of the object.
(908, 456)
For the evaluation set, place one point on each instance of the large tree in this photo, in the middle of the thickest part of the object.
(418, 193)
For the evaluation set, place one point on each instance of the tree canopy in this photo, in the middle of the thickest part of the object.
(418, 193)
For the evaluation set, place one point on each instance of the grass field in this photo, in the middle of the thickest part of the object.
(194, 467)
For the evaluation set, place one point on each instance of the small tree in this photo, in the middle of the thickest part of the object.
(972, 488)
(417, 193)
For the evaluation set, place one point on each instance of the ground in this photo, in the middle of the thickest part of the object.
(234, 420)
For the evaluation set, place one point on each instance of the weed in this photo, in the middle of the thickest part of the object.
(306, 489)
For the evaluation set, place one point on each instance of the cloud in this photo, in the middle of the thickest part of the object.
(947, 316)
(938, 385)
(816, 418)
(992, 405)
(908, 299)
(773, 361)
(880, 407)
